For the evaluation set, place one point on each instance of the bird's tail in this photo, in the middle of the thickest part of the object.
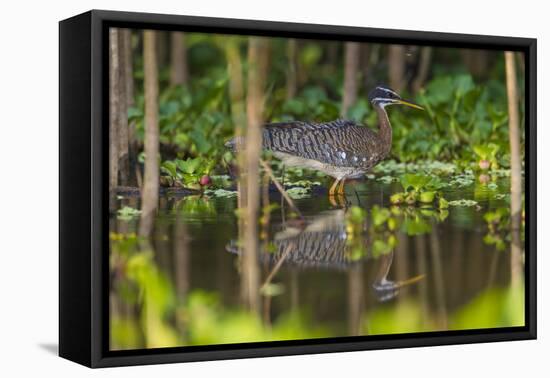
(234, 143)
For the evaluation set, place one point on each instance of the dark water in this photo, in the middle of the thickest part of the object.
(441, 274)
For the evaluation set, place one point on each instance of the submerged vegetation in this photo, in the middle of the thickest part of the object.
(210, 246)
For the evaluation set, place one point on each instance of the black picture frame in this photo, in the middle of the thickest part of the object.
(83, 196)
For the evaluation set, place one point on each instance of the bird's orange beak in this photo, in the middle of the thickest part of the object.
(411, 104)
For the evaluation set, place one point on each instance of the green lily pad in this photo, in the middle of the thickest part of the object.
(128, 213)
(298, 192)
(222, 193)
(463, 202)
(386, 179)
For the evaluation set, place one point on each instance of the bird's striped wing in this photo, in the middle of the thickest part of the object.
(340, 142)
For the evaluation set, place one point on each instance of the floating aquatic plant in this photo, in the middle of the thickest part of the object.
(221, 193)
(463, 202)
(387, 179)
(298, 192)
(418, 188)
(487, 154)
(128, 213)
(189, 173)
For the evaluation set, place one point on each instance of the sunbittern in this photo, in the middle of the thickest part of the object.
(342, 148)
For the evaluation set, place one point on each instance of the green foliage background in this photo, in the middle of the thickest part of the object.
(463, 114)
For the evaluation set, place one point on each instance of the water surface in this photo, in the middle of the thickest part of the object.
(184, 288)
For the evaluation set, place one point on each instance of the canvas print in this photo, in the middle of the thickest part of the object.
(277, 189)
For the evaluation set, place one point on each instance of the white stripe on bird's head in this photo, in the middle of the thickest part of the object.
(388, 90)
(383, 101)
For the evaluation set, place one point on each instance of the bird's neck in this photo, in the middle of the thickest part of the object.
(384, 129)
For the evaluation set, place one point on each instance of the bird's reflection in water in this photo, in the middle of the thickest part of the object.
(386, 289)
(322, 242)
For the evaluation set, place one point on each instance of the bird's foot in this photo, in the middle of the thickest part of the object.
(338, 201)
(342, 201)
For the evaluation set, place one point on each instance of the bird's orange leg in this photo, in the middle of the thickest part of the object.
(342, 194)
(332, 190)
(341, 190)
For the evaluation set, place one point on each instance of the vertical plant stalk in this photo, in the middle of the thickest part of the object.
(123, 130)
(150, 192)
(457, 260)
(278, 264)
(401, 261)
(294, 290)
(238, 115)
(266, 212)
(364, 66)
(351, 69)
(477, 62)
(114, 63)
(181, 257)
(265, 220)
(182, 267)
(291, 73)
(162, 49)
(437, 269)
(422, 268)
(127, 51)
(257, 72)
(236, 94)
(423, 68)
(370, 62)
(396, 67)
(179, 72)
(515, 164)
(355, 299)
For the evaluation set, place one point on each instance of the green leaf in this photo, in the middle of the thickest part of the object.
(310, 54)
(167, 109)
(169, 167)
(294, 106)
(427, 197)
(463, 84)
(482, 151)
(380, 248)
(199, 139)
(359, 110)
(439, 90)
(415, 181)
(134, 112)
(189, 166)
(379, 215)
(397, 198)
(356, 215)
(416, 226)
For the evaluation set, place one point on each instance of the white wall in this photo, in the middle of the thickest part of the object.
(28, 207)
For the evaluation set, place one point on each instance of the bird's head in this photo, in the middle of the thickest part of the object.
(386, 289)
(382, 96)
